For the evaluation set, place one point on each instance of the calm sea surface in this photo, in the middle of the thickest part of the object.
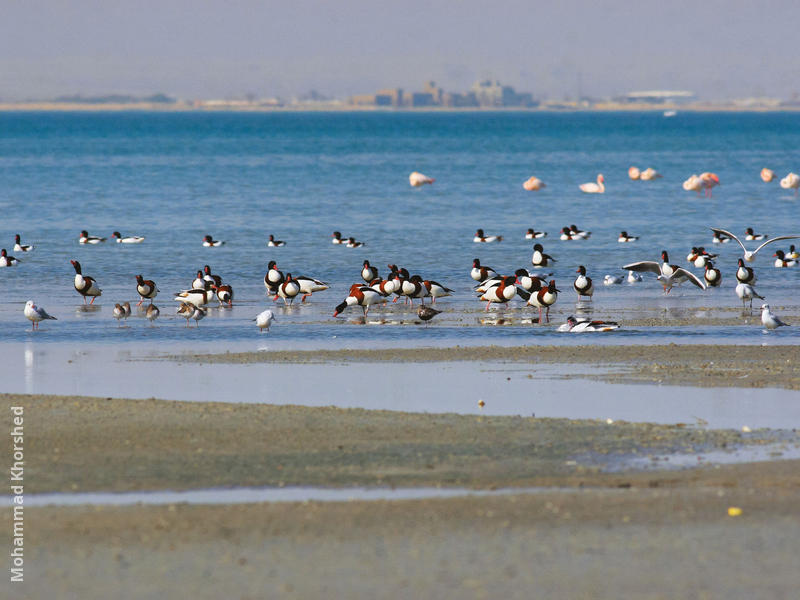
(239, 177)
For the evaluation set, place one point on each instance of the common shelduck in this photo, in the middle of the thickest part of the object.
(309, 285)
(713, 276)
(20, 247)
(532, 234)
(480, 238)
(152, 312)
(436, 290)
(667, 274)
(481, 272)
(746, 292)
(750, 256)
(545, 298)
(650, 174)
(533, 184)
(612, 280)
(210, 242)
(264, 320)
(416, 179)
(718, 238)
(581, 325)
(85, 285)
(368, 272)
(147, 289)
(745, 274)
(566, 235)
(767, 175)
(411, 287)
(500, 293)
(288, 290)
(194, 297)
(594, 188)
(633, 277)
(583, 284)
(211, 277)
(625, 238)
(793, 253)
(337, 238)
(191, 311)
(360, 295)
(528, 282)
(751, 236)
(85, 238)
(699, 257)
(6, 260)
(273, 278)
(224, 294)
(539, 259)
(769, 320)
(273, 243)
(352, 243)
(128, 239)
(781, 261)
(426, 313)
(579, 233)
(201, 283)
(35, 314)
(791, 181)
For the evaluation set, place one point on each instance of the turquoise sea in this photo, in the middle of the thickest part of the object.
(240, 177)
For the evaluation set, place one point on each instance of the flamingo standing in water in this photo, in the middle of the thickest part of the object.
(767, 175)
(534, 184)
(594, 188)
(791, 181)
(709, 180)
(634, 173)
(693, 184)
(649, 174)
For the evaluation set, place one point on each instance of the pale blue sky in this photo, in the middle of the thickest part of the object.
(199, 48)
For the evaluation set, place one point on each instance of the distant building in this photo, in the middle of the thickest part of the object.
(455, 100)
(389, 97)
(490, 94)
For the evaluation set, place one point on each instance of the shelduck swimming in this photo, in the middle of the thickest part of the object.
(781, 261)
(770, 320)
(86, 286)
(352, 243)
(579, 233)
(147, 289)
(191, 311)
(712, 276)
(368, 272)
(750, 256)
(718, 238)
(767, 175)
(792, 253)
(85, 238)
(273, 278)
(583, 284)
(634, 173)
(745, 292)
(360, 295)
(152, 312)
(791, 182)
(625, 238)
(264, 320)
(667, 274)
(20, 247)
(480, 272)
(699, 257)
(224, 294)
(533, 184)
(288, 290)
(594, 188)
(532, 234)
(273, 243)
(650, 174)
(309, 285)
(751, 236)
(500, 293)
(337, 238)
(581, 325)
(566, 235)
(539, 259)
(129, 239)
(745, 274)
(612, 280)
(417, 179)
(35, 314)
(545, 298)
(210, 242)
(197, 298)
(633, 277)
(480, 238)
(6, 260)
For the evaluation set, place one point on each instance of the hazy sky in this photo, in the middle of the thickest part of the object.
(225, 49)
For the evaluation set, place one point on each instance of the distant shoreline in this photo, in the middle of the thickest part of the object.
(183, 107)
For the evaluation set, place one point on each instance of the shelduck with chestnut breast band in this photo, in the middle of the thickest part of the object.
(85, 285)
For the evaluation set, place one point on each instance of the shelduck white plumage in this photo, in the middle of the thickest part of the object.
(128, 239)
(582, 325)
(85, 238)
(20, 247)
(7, 260)
(86, 286)
(210, 242)
(481, 238)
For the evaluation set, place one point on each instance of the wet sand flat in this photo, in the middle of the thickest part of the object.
(672, 364)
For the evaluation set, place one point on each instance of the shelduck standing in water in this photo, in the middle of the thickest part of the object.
(86, 286)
